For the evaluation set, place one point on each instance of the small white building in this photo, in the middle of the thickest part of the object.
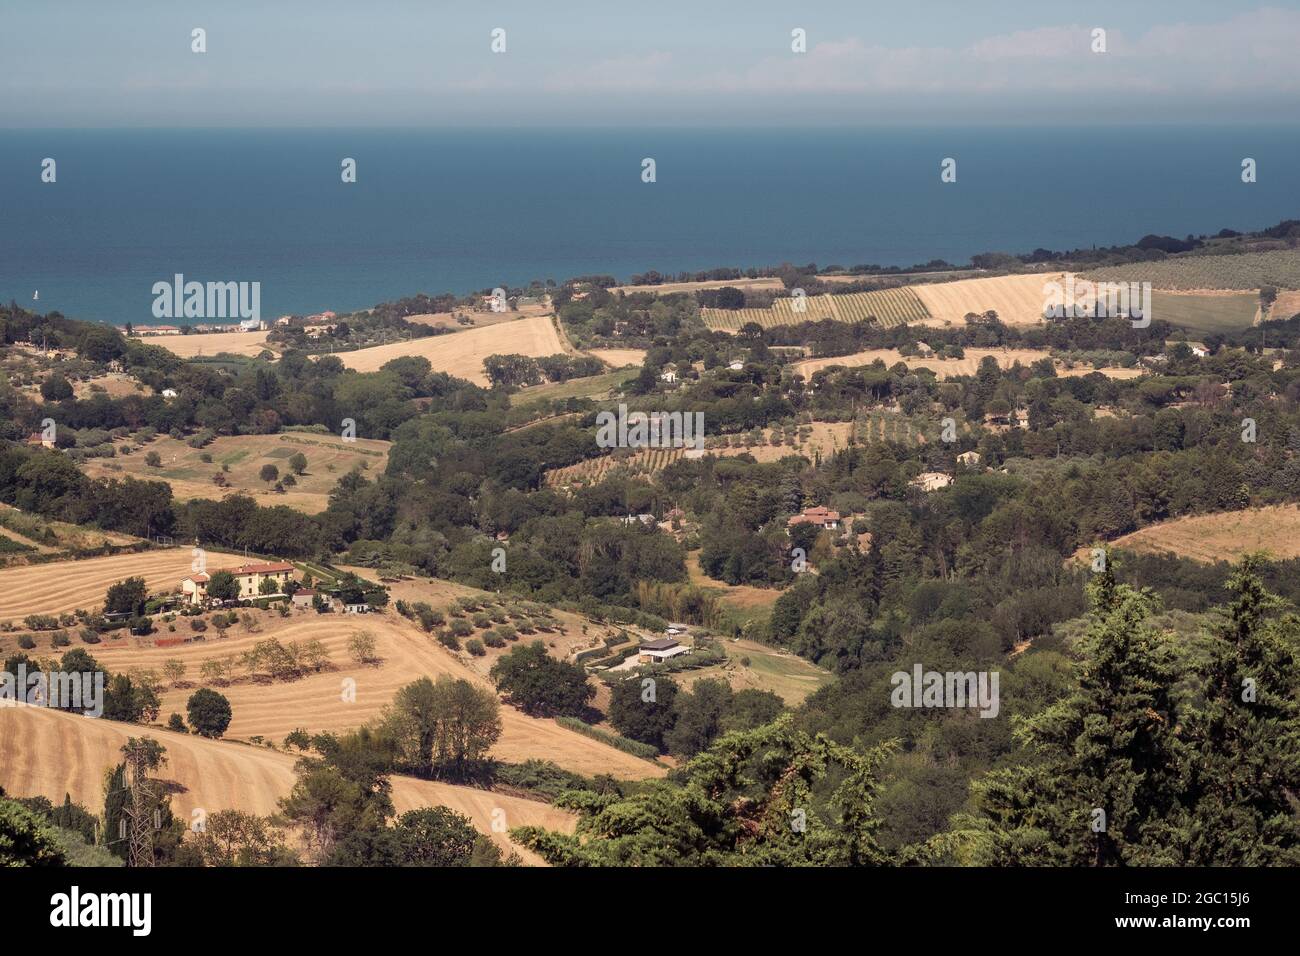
(969, 458)
(736, 365)
(669, 374)
(169, 393)
(658, 651)
(356, 609)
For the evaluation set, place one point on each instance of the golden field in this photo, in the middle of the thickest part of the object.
(1221, 537)
(206, 344)
(462, 353)
(1017, 299)
(65, 586)
(50, 753)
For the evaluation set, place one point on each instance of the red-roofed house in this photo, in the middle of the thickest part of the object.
(821, 517)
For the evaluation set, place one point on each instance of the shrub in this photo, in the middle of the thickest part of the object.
(507, 632)
(461, 628)
(198, 624)
(493, 639)
(448, 639)
(481, 620)
(475, 647)
(27, 642)
(177, 723)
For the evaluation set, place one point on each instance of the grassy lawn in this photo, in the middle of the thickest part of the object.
(791, 678)
(1206, 314)
(593, 386)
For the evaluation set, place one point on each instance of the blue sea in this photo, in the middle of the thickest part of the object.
(460, 210)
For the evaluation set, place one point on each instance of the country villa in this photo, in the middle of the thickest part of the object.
(249, 577)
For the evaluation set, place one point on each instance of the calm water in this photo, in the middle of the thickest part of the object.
(460, 210)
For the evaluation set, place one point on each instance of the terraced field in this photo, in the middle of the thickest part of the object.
(888, 307)
(1279, 268)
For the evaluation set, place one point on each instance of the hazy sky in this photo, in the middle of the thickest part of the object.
(574, 62)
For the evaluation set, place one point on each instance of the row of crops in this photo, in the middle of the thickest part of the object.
(886, 307)
(1279, 268)
(648, 462)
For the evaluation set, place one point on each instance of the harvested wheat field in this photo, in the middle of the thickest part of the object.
(462, 353)
(239, 460)
(51, 753)
(619, 358)
(1285, 306)
(63, 586)
(1221, 537)
(1018, 300)
(272, 709)
(474, 319)
(248, 344)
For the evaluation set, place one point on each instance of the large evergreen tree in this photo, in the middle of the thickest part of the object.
(1242, 778)
(1102, 775)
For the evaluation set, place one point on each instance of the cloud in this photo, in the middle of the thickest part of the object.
(1249, 51)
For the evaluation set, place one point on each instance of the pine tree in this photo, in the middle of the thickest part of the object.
(1103, 763)
(1242, 774)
